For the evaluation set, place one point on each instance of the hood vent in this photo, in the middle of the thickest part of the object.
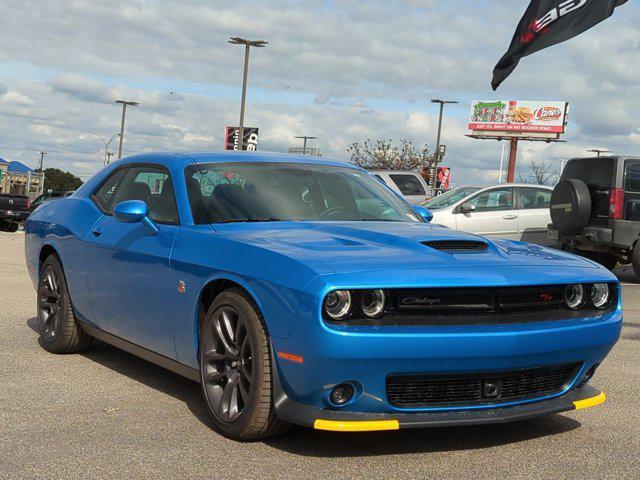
(456, 245)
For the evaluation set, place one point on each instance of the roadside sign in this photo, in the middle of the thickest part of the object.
(250, 135)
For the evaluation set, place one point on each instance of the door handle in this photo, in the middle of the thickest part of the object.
(97, 231)
(510, 217)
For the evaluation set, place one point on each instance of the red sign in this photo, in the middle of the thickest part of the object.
(444, 178)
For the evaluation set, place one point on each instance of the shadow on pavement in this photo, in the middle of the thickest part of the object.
(626, 274)
(308, 442)
(144, 372)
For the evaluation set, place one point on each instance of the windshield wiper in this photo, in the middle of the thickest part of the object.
(252, 219)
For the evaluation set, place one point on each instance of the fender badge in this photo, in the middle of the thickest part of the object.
(182, 287)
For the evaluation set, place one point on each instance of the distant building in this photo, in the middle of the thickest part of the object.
(17, 178)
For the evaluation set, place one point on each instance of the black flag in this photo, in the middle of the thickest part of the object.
(548, 22)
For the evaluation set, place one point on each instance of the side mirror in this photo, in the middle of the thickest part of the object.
(134, 211)
(467, 208)
(423, 212)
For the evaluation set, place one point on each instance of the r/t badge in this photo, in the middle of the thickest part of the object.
(182, 287)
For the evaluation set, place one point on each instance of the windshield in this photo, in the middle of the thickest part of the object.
(449, 198)
(248, 192)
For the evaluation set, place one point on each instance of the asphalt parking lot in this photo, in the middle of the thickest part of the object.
(108, 414)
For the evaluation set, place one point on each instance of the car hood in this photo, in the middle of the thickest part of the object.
(352, 247)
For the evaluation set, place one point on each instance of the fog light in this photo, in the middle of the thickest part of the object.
(600, 295)
(372, 303)
(341, 394)
(574, 296)
(338, 304)
(589, 375)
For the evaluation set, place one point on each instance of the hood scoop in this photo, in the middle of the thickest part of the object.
(456, 245)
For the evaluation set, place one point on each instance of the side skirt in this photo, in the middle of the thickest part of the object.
(138, 351)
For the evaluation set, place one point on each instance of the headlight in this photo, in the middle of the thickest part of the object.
(338, 304)
(600, 295)
(372, 303)
(574, 296)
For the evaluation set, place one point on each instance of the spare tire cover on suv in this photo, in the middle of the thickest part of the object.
(570, 205)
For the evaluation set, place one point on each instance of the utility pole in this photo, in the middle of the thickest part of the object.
(42, 153)
(436, 157)
(304, 144)
(124, 111)
(247, 45)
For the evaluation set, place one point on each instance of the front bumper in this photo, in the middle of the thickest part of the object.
(320, 419)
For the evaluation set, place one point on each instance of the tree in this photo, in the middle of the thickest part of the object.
(543, 173)
(385, 155)
(57, 180)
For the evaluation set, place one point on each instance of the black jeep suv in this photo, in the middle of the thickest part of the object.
(595, 209)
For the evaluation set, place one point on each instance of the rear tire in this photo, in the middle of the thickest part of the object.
(635, 258)
(59, 329)
(235, 369)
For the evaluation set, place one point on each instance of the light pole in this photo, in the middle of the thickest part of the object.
(247, 45)
(124, 111)
(103, 138)
(599, 151)
(42, 153)
(436, 157)
(304, 144)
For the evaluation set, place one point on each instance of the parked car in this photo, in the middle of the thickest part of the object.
(595, 210)
(301, 290)
(409, 184)
(510, 211)
(47, 196)
(14, 209)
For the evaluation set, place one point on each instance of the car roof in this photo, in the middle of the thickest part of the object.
(232, 156)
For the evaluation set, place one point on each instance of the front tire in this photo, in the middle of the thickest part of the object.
(59, 329)
(235, 369)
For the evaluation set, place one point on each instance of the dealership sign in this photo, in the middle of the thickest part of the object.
(231, 135)
(519, 116)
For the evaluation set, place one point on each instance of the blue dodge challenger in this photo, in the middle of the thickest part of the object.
(300, 290)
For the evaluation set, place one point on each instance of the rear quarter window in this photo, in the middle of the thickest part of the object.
(408, 184)
(632, 177)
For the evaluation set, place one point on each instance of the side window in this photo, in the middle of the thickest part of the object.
(105, 195)
(408, 184)
(632, 177)
(534, 198)
(153, 186)
(493, 200)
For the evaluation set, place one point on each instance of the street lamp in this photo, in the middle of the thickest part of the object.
(436, 157)
(247, 45)
(124, 111)
(103, 138)
(304, 145)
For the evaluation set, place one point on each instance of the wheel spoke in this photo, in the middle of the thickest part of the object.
(214, 377)
(221, 334)
(227, 323)
(244, 391)
(229, 401)
(53, 283)
(214, 356)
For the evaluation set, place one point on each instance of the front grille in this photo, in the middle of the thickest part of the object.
(456, 245)
(412, 391)
(465, 301)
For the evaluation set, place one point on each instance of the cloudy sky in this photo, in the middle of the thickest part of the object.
(343, 71)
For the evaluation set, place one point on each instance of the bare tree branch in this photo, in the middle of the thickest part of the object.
(383, 154)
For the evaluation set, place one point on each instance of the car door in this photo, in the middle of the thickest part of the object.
(534, 215)
(128, 271)
(494, 216)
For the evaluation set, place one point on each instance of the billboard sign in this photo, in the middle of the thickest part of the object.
(518, 116)
(250, 135)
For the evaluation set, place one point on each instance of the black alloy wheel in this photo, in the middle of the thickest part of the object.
(227, 364)
(59, 330)
(235, 368)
